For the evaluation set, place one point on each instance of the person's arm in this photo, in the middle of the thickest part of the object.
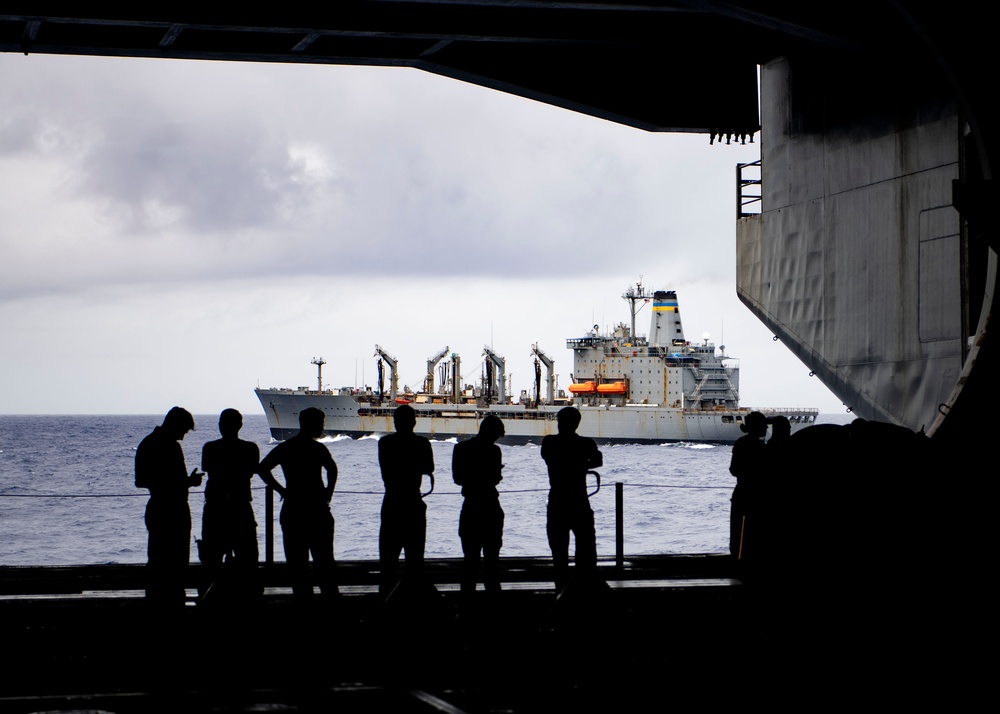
(142, 472)
(383, 458)
(429, 464)
(736, 460)
(597, 458)
(497, 464)
(206, 458)
(553, 449)
(331, 477)
(428, 458)
(458, 465)
(252, 453)
(266, 467)
(194, 479)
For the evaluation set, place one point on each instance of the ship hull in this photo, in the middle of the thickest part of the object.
(629, 424)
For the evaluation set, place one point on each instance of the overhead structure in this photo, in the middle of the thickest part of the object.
(630, 63)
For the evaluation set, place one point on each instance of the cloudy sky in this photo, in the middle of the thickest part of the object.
(179, 232)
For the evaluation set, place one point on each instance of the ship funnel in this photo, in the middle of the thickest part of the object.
(665, 322)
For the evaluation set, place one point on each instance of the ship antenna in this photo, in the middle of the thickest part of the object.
(634, 296)
(319, 372)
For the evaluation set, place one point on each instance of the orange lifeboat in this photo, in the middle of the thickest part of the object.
(612, 388)
(583, 388)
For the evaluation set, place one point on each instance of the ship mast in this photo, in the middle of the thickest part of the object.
(456, 378)
(634, 296)
(319, 372)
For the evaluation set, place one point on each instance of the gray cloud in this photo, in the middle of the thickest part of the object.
(188, 168)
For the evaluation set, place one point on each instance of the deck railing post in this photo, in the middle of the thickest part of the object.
(269, 526)
(619, 526)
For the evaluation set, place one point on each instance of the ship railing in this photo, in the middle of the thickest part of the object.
(132, 580)
(783, 411)
(619, 509)
(450, 411)
(529, 414)
(748, 189)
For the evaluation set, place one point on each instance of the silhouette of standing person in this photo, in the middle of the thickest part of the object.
(476, 466)
(404, 458)
(160, 467)
(775, 505)
(306, 521)
(569, 457)
(228, 526)
(748, 463)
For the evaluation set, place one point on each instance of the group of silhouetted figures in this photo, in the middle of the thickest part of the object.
(228, 547)
(828, 500)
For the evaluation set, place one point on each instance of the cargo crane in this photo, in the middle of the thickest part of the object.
(393, 373)
(431, 364)
(550, 377)
(501, 377)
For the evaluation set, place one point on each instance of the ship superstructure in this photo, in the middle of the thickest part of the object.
(629, 389)
(665, 370)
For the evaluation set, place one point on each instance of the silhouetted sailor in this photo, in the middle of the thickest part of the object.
(228, 526)
(306, 520)
(747, 464)
(403, 458)
(778, 502)
(569, 457)
(160, 467)
(476, 466)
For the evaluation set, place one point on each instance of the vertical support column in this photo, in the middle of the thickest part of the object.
(619, 526)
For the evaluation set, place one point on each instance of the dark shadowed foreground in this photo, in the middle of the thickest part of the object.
(672, 630)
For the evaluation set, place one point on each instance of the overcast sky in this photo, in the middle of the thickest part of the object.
(178, 232)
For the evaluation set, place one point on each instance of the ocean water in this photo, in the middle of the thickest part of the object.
(67, 494)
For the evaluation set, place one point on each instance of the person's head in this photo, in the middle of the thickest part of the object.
(178, 422)
(754, 424)
(568, 419)
(491, 427)
(311, 421)
(781, 428)
(230, 422)
(404, 418)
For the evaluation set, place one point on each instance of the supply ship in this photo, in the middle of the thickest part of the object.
(628, 388)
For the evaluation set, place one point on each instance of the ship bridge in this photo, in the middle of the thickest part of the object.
(878, 131)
